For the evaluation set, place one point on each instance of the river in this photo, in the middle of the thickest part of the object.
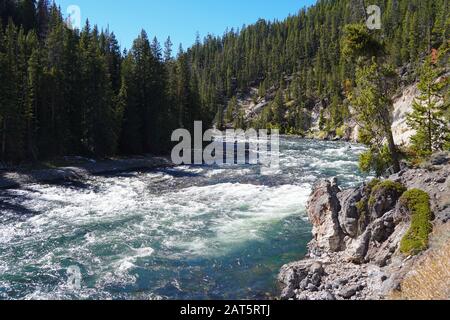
(189, 232)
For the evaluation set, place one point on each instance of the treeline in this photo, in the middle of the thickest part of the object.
(71, 92)
(74, 92)
(301, 57)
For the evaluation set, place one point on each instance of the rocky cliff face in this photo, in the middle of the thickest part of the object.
(357, 233)
(402, 107)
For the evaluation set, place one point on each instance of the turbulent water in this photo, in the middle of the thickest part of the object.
(181, 233)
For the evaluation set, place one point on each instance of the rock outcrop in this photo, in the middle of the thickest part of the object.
(323, 212)
(79, 171)
(355, 253)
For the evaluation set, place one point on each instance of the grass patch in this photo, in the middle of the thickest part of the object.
(417, 238)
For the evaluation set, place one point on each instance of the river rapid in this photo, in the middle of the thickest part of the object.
(189, 232)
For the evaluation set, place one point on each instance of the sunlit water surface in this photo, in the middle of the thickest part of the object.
(181, 233)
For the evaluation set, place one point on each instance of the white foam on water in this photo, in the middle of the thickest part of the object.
(238, 213)
(129, 261)
(118, 224)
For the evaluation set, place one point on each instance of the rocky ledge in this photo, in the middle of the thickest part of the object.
(355, 254)
(80, 171)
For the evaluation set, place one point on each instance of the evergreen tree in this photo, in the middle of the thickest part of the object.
(427, 118)
(28, 14)
(168, 50)
(42, 18)
(34, 88)
(373, 111)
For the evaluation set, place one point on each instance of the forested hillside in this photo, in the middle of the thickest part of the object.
(302, 58)
(75, 92)
(71, 92)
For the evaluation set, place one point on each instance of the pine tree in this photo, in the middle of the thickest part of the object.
(42, 18)
(4, 84)
(279, 109)
(11, 134)
(427, 118)
(34, 88)
(168, 50)
(28, 14)
(130, 141)
(373, 111)
(231, 110)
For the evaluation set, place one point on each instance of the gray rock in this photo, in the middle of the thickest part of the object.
(440, 159)
(349, 215)
(358, 250)
(317, 269)
(316, 279)
(323, 211)
(304, 284)
(348, 292)
(383, 227)
(290, 278)
(303, 297)
(312, 288)
(326, 296)
(382, 201)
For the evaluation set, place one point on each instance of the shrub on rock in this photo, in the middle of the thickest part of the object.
(417, 202)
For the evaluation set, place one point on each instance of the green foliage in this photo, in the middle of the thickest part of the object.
(362, 206)
(341, 131)
(417, 238)
(428, 116)
(371, 190)
(231, 110)
(370, 99)
(68, 92)
(388, 185)
(358, 42)
(375, 160)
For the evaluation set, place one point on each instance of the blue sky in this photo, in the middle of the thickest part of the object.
(179, 19)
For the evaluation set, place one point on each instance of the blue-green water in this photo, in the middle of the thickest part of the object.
(180, 233)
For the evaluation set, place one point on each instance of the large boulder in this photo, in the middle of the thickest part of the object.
(384, 197)
(349, 215)
(357, 251)
(323, 212)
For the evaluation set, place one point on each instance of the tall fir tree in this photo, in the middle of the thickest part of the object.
(428, 115)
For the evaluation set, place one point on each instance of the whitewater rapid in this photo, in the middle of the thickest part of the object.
(190, 232)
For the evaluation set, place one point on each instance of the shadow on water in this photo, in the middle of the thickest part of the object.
(73, 184)
(11, 206)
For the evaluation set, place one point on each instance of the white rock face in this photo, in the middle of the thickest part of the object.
(403, 106)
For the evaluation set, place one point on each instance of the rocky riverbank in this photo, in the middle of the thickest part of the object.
(356, 254)
(79, 171)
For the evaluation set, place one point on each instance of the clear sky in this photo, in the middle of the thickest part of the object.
(179, 19)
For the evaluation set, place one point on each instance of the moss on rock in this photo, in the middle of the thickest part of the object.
(417, 238)
(385, 186)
